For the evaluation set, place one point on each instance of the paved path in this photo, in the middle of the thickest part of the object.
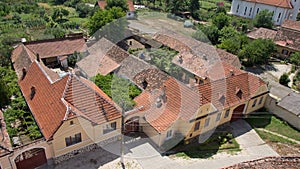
(288, 138)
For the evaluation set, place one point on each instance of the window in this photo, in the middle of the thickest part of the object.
(279, 15)
(238, 7)
(254, 103)
(169, 134)
(284, 52)
(260, 100)
(245, 11)
(250, 11)
(227, 113)
(218, 117)
(197, 126)
(109, 127)
(206, 122)
(73, 139)
(257, 11)
(71, 122)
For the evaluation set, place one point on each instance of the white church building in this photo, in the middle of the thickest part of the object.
(281, 9)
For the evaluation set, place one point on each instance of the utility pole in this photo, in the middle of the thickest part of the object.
(122, 138)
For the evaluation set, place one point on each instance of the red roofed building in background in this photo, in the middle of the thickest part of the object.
(281, 9)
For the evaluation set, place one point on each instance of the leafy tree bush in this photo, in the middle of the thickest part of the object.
(194, 7)
(284, 79)
(264, 19)
(101, 18)
(4, 9)
(117, 3)
(211, 31)
(258, 51)
(295, 58)
(228, 32)
(57, 32)
(221, 20)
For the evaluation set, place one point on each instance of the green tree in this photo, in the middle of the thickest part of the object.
(117, 3)
(284, 79)
(211, 32)
(176, 6)
(221, 20)
(101, 18)
(221, 9)
(258, 51)
(295, 58)
(4, 9)
(263, 19)
(5, 53)
(194, 8)
(231, 45)
(228, 32)
(59, 13)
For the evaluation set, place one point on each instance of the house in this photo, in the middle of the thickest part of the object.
(72, 113)
(286, 37)
(51, 51)
(285, 106)
(281, 9)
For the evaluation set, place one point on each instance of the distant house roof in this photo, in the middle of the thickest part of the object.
(291, 102)
(291, 24)
(52, 102)
(263, 33)
(5, 145)
(278, 3)
(102, 4)
(197, 56)
(57, 47)
(288, 35)
(104, 58)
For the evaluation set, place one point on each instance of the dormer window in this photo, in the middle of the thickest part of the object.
(239, 92)
(32, 93)
(24, 72)
(144, 84)
(222, 98)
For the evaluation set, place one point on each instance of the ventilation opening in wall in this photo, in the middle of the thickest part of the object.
(71, 122)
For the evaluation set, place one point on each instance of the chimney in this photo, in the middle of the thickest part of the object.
(231, 72)
(24, 71)
(180, 60)
(32, 93)
(38, 57)
(163, 95)
(158, 102)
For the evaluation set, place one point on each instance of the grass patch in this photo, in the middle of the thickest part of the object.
(274, 124)
(272, 138)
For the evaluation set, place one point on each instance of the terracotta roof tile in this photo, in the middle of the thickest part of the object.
(263, 33)
(279, 3)
(46, 105)
(291, 24)
(90, 100)
(57, 47)
(229, 58)
(102, 4)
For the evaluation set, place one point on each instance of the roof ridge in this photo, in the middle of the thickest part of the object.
(51, 40)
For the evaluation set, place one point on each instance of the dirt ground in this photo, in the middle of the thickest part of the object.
(284, 149)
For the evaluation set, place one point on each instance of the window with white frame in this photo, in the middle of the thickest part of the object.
(109, 127)
(169, 134)
(238, 7)
(279, 15)
(245, 11)
(250, 11)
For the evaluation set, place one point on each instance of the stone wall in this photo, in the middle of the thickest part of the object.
(269, 162)
(88, 148)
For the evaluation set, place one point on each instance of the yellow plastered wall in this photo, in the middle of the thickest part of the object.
(257, 106)
(67, 130)
(100, 136)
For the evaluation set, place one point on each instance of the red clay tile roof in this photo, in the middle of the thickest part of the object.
(279, 3)
(130, 5)
(102, 4)
(197, 56)
(53, 101)
(57, 47)
(5, 145)
(90, 100)
(46, 105)
(183, 102)
(289, 38)
(291, 24)
(104, 58)
(263, 33)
